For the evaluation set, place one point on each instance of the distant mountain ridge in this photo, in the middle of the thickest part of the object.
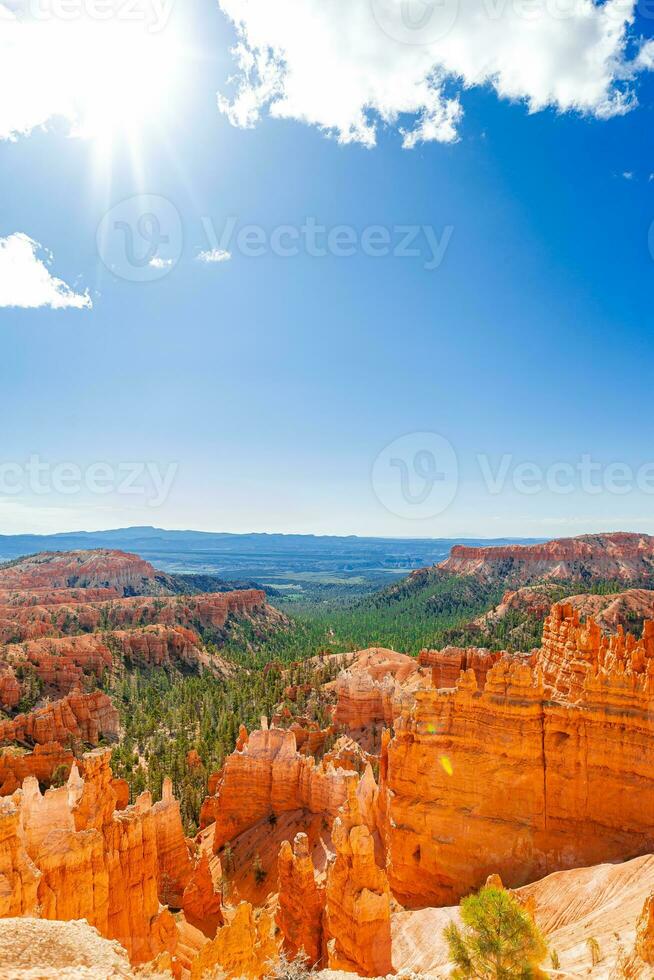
(303, 560)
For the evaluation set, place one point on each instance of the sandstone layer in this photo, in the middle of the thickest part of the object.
(620, 557)
(358, 896)
(99, 568)
(544, 768)
(200, 612)
(301, 902)
(81, 717)
(269, 776)
(370, 690)
(70, 852)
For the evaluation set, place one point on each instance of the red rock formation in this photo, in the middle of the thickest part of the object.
(572, 651)
(447, 664)
(301, 901)
(269, 776)
(210, 610)
(358, 897)
(51, 597)
(94, 862)
(16, 765)
(201, 901)
(618, 557)
(83, 717)
(63, 663)
(10, 691)
(99, 568)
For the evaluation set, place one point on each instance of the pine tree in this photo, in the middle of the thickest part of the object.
(499, 941)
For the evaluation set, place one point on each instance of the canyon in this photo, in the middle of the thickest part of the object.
(346, 826)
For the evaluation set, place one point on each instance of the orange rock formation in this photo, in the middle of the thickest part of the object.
(544, 768)
(573, 653)
(201, 901)
(175, 868)
(367, 689)
(16, 765)
(83, 717)
(447, 664)
(301, 901)
(243, 947)
(358, 897)
(85, 859)
(269, 776)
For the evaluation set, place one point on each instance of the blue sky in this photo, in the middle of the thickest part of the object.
(289, 393)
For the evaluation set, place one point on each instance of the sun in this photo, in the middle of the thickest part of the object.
(122, 73)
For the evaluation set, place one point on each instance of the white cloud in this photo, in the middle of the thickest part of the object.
(159, 263)
(628, 174)
(348, 65)
(214, 255)
(26, 281)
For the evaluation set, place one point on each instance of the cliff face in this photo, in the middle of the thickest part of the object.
(358, 897)
(301, 901)
(369, 691)
(174, 862)
(101, 568)
(19, 876)
(16, 765)
(617, 557)
(208, 611)
(544, 768)
(201, 901)
(85, 859)
(269, 776)
(573, 651)
(447, 664)
(84, 717)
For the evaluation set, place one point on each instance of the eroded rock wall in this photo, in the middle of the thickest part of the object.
(516, 778)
